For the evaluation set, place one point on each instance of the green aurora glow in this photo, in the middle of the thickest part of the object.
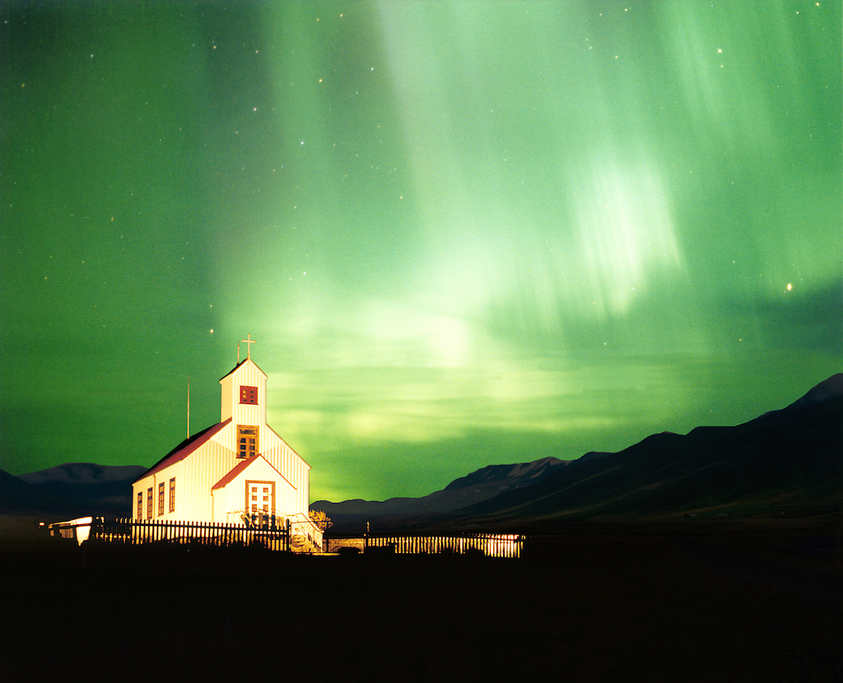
(462, 233)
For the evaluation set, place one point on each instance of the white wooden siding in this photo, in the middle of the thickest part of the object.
(225, 402)
(231, 499)
(250, 375)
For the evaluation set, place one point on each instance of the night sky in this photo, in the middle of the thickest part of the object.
(462, 233)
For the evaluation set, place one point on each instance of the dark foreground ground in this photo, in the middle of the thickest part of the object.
(595, 603)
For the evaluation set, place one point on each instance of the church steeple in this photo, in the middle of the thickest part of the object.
(243, 392)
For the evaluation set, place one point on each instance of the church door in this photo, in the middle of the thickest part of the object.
(260, 499)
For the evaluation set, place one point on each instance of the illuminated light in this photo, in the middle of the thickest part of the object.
(79, 528)
(789, 286)
(489, 545)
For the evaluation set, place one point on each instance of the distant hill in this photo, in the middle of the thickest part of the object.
(83, 474)
(70, 490)
(14, 493)
(474, 488)
(787, 461)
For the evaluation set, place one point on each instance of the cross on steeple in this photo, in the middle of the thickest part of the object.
(248, 341)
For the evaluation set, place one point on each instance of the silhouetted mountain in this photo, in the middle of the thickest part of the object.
(84, 474)
(19, 498)
(787, 461)
(13, 490)
(70, 490)
(829, 389)
(478, 486)
(496, 478)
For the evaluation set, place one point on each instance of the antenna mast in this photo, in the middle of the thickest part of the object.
(188, 406)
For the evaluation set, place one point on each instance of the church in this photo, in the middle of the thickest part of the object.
(234, 471)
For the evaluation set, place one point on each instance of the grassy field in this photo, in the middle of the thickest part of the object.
(592, 603)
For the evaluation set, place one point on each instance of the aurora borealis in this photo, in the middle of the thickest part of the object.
(462, 233)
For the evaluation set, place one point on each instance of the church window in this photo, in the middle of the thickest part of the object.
(161, 498)
(173, 494)
(149, 503)
(140, 505)
(247, 441)
(249, 395)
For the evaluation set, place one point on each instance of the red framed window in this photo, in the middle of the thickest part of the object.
(140, 505)
(249, 395)
(173, 494)
(149, 503)
(161, 498)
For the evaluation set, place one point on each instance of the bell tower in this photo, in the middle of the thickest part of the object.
(243, 394)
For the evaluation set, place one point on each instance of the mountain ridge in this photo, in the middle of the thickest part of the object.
(785, 461)
(70, 490)
(461, 492)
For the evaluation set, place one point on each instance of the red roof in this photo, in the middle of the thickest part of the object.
(185, 448)
(233, 473)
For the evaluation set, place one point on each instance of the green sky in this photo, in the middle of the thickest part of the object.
(462, 233)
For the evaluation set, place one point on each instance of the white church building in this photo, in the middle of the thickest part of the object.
(236, 470)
